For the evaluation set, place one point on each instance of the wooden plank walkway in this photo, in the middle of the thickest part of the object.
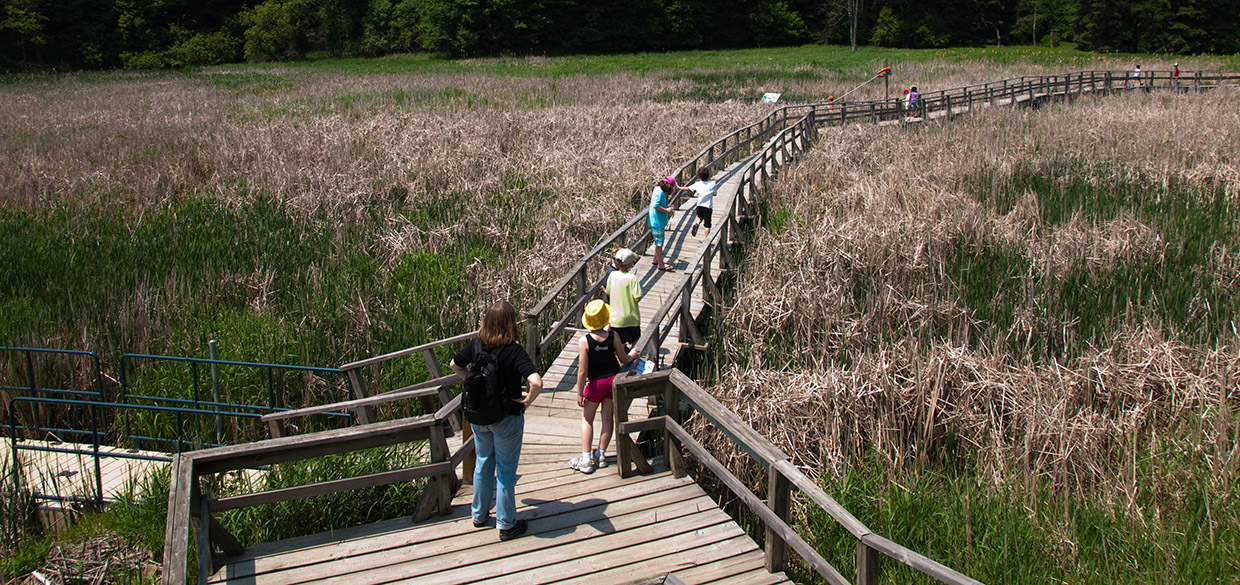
(72, 475)
(596, 529)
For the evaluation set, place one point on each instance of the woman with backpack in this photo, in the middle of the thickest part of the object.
(494, 366)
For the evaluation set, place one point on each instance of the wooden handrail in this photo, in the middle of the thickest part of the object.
(408, 351)
(191, 510)
(676, 387)
(411, 391)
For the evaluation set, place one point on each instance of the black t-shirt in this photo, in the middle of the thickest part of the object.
(514, 365)
(601, 359)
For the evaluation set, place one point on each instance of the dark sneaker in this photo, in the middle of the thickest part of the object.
(483, 523)
(693, 230)
(517, 530)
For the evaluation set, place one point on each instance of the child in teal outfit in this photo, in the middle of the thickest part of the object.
(660, 214)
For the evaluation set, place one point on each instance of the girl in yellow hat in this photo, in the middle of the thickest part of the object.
(599, 356)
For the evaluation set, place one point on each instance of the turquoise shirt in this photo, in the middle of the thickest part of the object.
(658, 198)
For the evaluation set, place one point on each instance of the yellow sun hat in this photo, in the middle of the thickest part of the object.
(597, 315)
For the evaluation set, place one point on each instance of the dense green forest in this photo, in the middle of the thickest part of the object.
(91, 34)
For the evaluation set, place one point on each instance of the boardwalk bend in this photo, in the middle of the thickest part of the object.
(641, 520)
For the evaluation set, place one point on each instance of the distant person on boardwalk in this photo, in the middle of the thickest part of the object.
(705, 190)
(497, 435)
(905, 98)
(660, 213)
(599, 356)
(624, 291)
(1175, 75)
(914, 98)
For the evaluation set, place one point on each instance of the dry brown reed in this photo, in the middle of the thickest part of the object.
(830, 375)
(566, 158)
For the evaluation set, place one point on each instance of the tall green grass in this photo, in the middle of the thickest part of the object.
(1085, 308)
(788, 59)
(1013, 534)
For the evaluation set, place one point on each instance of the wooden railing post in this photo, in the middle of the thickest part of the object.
(532, 337)
(624, 443)
(471, 461)
(366, 414)
(200, 526)
(671, 447)
(779, 499)
(867, 564)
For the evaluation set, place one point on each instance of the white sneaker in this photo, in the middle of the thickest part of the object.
(582, 464)
(600, 458)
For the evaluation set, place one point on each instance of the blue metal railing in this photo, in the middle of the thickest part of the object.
(35, 387)
(98, 434)
(198, 402)
(36, 409)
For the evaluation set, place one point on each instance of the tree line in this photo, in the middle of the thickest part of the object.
(93, 34)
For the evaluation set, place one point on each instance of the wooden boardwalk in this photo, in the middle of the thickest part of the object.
(596, 529)
(72, 476)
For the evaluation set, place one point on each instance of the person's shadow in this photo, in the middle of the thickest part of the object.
(557, 518)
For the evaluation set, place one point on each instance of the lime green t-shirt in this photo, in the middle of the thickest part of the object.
(624, 289)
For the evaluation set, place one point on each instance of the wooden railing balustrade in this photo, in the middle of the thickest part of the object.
(634, 234)
(676, 309)
(192, 511)
(363, 408)
(675, 389)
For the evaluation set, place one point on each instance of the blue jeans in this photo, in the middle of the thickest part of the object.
(498, 447)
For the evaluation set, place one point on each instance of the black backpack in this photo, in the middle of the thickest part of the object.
(482, 400)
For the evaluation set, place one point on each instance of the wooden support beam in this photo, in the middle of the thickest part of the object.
(779, 499)
(225, 539)
(176, 535)
(328, 487)
(867, 564)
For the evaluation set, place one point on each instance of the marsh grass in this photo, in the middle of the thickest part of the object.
(319, 213)
(1008, 342)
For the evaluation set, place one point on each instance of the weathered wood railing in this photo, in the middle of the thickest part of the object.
(569, 295)
(676, 309)
(675, 389)
(1015, 91)
(192, 511)
(363, 407)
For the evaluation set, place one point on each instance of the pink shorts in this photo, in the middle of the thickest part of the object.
(599, 390)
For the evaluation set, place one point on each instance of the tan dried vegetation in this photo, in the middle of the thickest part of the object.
(830, 375)
(567, 159)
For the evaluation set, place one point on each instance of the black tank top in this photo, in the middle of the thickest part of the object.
(602, 357)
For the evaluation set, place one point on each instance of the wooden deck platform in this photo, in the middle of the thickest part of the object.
(72, 475)
(596, 529)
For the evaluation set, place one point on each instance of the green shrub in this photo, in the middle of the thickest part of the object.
(208, 49)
